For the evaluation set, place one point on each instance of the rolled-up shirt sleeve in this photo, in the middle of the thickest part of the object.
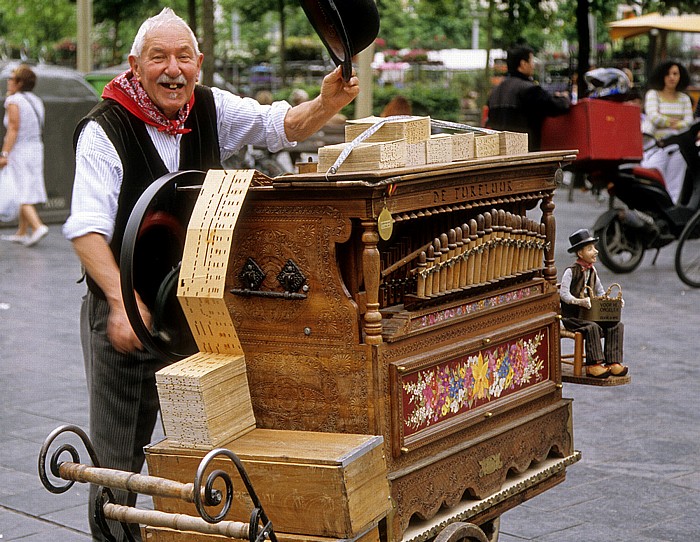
(97, 182)
(243, 121)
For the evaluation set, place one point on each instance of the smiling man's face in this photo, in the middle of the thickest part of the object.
(168, 68)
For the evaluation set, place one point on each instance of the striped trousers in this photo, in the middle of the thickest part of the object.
(123, 403)
(593, 335)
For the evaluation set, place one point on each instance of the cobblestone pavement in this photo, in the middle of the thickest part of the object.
(638, 480)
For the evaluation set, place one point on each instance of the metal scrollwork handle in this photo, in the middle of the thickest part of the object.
(206, 496)
(55, 462)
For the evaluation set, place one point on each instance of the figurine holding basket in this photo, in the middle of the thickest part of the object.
(586, 307)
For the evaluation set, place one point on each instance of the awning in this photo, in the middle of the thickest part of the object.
(635, 26)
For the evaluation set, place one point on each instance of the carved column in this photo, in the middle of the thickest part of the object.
(371, 268)
(547, 207)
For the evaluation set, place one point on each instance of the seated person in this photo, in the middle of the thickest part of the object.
(600, 363)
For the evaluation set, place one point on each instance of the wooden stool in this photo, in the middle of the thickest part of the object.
(574, 373)
(575, 359)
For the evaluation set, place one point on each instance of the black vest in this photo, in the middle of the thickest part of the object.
(199, 150)
(577, 285)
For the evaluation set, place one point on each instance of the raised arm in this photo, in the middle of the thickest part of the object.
(307, 118)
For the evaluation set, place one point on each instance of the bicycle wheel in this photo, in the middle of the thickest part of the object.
(688, 253)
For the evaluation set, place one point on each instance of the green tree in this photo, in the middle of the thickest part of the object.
(115, 12)
(33, 26)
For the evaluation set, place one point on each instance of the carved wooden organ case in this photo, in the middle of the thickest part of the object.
(435, 327)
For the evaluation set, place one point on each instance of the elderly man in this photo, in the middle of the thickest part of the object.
(155, 119)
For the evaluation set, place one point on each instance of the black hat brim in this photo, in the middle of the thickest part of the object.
(581, 244)
(346, 27)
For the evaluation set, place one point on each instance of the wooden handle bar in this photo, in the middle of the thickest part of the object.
(178, 522)
(129, 481)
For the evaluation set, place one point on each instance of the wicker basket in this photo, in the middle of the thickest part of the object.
(604, 308)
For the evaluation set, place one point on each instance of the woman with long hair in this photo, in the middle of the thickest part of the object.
(667, 111)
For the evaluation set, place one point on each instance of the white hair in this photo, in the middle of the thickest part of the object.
(167, 17)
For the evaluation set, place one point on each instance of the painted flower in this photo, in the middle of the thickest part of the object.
(481, 381)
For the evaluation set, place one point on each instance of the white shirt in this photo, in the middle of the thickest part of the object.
(99, 172)
(565, 286)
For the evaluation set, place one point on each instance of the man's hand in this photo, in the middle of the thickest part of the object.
(336, 93)
(308, 117)
(119, 330)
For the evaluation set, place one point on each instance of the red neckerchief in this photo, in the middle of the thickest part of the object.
(126, 90)
(586, 266)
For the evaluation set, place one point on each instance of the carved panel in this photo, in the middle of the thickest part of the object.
(311, 389)
(273, 234)
(444, 482)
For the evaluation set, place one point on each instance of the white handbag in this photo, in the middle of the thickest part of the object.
(9, 196)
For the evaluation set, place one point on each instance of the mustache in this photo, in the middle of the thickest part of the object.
(167, 80)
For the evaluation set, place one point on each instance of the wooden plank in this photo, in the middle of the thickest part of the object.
(567, 375)
(163, 534)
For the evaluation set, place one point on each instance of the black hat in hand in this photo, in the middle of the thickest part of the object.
(346, 27)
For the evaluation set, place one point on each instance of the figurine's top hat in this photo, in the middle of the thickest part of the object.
(346, 27)
(579, 239)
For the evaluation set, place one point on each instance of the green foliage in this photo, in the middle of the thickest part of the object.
(33, 26)
(426, 100)
(303, 48)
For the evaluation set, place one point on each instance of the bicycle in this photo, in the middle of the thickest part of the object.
(687, 260)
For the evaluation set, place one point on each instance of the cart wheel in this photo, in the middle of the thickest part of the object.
(688, 253)
(621, 249)
(456, 532)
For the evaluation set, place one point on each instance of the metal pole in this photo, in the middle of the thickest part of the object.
(84, 50)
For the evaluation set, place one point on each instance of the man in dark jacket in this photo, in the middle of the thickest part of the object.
(518, 104)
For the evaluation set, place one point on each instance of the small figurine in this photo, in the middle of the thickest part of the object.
(574, 294)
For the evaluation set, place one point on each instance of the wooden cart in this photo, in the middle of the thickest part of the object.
(400, 331)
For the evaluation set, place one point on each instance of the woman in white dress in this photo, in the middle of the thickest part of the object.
(23, 152)
(668, 110)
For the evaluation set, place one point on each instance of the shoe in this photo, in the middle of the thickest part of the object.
(15, 238)
(597, 371)
(617, 369)
(36, 236)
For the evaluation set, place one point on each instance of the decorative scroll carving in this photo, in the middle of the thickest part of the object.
(423, 491)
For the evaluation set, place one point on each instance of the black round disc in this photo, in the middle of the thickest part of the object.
(151, 254)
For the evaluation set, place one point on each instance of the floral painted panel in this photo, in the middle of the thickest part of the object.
(440, 392)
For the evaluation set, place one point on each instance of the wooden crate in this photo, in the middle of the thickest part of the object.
(309, 483)
(412, 129)
(364, 157)
(205, 400)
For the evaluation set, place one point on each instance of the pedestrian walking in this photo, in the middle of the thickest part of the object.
(23, 153)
